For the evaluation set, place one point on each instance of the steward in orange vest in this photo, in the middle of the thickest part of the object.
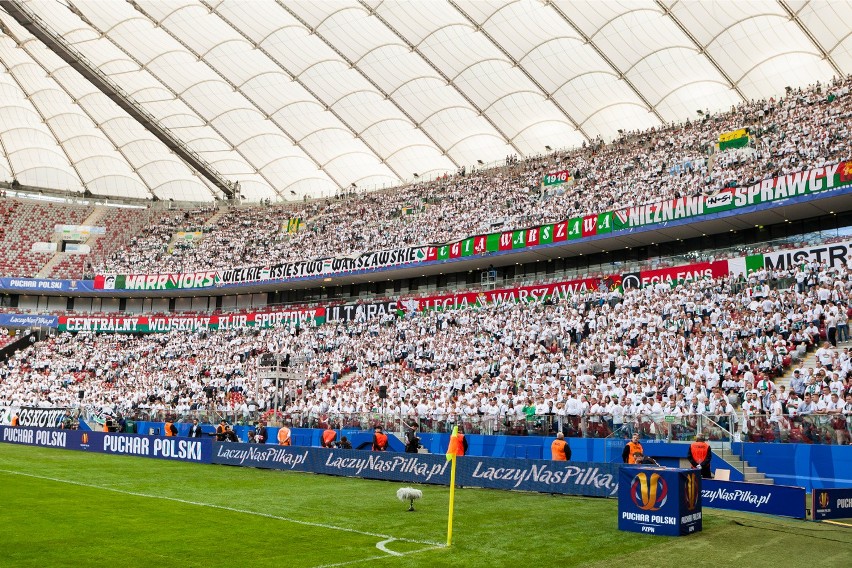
(559, 449)
(171, 429)
(222, 431)
(631, 448)
(328, 437)
(700, 455)
(284, 436)
(16, 421)
(380, 440)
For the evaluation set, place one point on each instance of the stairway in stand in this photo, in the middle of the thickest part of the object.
(749, 472)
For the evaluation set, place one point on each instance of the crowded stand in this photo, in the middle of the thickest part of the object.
(659, 360)
(807, 128)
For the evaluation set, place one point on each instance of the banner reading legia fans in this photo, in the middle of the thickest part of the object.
(162, 324)
(675, 274)
(533, 293)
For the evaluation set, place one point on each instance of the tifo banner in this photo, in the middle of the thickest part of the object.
(734, 139)
(832, 504)
(778, 500)
(557, 178)
(40, 246)
(659, 501)
(188, 236)
(27, 320)
(361, 311)
(676, 274)
(834, 255)
(72, 248)
(293, 225)
(504, 295)
(31, 416)
(590, 479)
(182, 449)
(161, 324)
(77, 232)
(300, 269)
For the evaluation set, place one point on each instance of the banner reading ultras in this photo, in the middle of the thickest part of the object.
(301, 269)
(145, 324)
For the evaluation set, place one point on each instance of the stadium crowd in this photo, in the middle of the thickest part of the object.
(608, 359)
(805, 129)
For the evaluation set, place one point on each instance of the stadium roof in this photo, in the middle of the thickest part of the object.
(306, 97)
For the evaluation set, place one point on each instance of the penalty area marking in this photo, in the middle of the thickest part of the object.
(380, 545)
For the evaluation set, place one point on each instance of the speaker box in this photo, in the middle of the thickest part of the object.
(383, 391)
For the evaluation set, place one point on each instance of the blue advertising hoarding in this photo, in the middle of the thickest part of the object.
(659, 501)
(780, 500)
(28, 320)
(196, 450)
(570, 478)
(23, 285)
(832, 504)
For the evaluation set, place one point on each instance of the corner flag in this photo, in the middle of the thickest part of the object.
(452, 453)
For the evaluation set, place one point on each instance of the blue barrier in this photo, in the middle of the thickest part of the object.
(196, 450)
(778, 500)
(832, 504)
(570, 478)
(809, 466)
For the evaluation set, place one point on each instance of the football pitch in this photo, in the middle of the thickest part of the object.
(65, 508)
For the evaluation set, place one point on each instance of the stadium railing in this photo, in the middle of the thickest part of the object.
(734, 427)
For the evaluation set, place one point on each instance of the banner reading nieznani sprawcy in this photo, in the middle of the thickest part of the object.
(811, 182)
(162, 324)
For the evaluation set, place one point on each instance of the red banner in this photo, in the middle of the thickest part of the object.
(505, 295)
(676, 274)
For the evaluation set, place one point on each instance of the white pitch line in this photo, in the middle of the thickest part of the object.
(383, 557)
(381, 546)
(231, 509)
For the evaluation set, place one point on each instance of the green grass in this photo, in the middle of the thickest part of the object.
(64, 508)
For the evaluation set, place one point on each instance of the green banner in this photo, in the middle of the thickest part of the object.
(753, 262)
(467, 247)
(492, 242)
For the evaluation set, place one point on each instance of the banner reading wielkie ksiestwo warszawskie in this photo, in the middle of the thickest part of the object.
(814, 181)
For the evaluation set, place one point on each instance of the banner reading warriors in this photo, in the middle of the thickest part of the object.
(162, 324)
(505, 295)
(300, 269)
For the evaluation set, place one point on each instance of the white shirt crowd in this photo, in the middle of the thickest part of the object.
(805, 129)
(701, 347)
